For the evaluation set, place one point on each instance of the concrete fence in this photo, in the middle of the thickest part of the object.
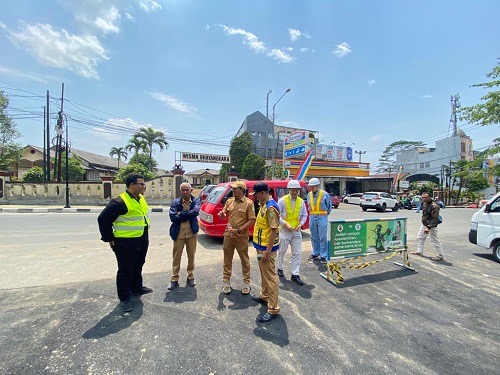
(159, 191)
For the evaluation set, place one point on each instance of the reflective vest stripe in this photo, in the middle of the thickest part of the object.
(131, 224)
(293, 215)
(315, 209)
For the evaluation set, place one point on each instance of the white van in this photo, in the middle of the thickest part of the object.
(485, 226)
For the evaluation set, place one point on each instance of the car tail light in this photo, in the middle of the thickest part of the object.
(206, 217)
(377, 198)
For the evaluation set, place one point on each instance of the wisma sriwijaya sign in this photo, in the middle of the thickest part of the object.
(205, 158)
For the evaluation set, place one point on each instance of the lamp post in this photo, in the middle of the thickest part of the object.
(274, 153)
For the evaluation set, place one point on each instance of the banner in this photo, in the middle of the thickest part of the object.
(349, 238)
(333, 153)
(205, 158)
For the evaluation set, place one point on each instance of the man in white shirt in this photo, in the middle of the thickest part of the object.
(293, 215)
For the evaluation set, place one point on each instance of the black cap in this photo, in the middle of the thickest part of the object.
(260, 186)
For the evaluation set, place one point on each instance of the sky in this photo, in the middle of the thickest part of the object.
(367, 73)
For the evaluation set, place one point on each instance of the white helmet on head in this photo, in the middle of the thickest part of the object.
(293, 184)
(313, 182)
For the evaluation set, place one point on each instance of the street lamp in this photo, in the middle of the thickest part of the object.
(274, 153)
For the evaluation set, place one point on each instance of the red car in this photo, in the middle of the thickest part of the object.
(335, 201)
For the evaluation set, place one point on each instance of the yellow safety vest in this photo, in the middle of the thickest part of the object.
(293, 215)
(315, 209)
(261, 230)
(131, 225)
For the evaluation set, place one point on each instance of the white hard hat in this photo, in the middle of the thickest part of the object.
(293, 184)
(313, 182)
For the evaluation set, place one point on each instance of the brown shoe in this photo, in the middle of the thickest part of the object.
(417, 253)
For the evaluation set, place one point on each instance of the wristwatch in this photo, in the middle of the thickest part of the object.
(239, 230)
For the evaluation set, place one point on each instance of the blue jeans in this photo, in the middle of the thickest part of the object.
(318, 225)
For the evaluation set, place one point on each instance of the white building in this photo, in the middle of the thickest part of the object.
(423, 160)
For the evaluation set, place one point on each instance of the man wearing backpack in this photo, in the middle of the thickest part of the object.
(430, 221)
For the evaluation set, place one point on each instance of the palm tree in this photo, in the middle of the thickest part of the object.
(119, 152)
(136, 145)
(152, 137)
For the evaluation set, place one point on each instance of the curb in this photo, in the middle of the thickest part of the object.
(63, 210)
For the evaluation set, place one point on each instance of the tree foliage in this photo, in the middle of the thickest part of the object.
(34, 174)
(134, 168)
(10, 151)
(254, 167)
(143, 159)
(240, 148)
(151, 138)
(488, 112)
(387, 161)
(119, 152)
(136, 145)
(75, 170)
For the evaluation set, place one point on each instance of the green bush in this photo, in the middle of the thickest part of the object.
(34, 174)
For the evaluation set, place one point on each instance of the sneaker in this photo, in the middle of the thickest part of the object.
(280, 273)
(127, 306)
(191, 282)
(226, 287)
(323, 260)
(173, 285)
(439, 258)
(313, 257)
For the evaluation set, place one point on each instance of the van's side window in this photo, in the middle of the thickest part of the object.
(280, 192)
(495, 206)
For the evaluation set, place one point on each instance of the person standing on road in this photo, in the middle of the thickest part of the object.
(240, 213)
(184, 229)
(124, 224)
(266, 242)
(320, 206)
(430, 221)
(293, 215)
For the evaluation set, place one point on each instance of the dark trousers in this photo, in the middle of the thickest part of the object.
(131, 256)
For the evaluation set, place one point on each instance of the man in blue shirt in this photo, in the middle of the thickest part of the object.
(320, 206)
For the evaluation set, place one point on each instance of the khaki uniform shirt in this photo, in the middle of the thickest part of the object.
(185, 231)
(239, 212)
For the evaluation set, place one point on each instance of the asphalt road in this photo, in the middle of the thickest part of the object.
(60, 314)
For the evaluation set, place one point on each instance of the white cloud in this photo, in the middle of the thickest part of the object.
(173, 103)
(149, 5)
(371, 82)
(31, 76)
(60, 49)
(280, 56)
(107, 23)
(375, 138)
(256, 45)
(342, 50)
(249, 39)
(296, 34)
(129, 17)
(304, 50)
(426, 96)
(289, 49)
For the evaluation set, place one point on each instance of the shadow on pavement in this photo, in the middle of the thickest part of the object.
(303, 291)
(210, 243)
(485, 256)
(368, 279)
(181, 294)
(237, 301)
(115, 321)
(274, 331)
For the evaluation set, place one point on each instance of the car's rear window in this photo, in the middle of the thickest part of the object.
(370, 195)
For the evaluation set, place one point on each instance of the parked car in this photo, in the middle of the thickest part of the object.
(205, 192)
(485, 226)
(416, 201)
(379, 201)
(214, 226)
(353, 198)
(335, 200)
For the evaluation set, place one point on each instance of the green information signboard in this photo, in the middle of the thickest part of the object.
(347, 238)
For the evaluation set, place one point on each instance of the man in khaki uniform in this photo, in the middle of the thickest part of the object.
(266, 241)
(241, 215)
(184, 231)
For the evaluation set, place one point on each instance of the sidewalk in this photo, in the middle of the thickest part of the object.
(58, 209)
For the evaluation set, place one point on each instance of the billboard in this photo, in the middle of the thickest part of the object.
(295, 144)
(333, 153)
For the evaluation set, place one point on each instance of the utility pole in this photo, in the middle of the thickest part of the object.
(44, 145)
(267, 123)
(360, 153)
(47, 172)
